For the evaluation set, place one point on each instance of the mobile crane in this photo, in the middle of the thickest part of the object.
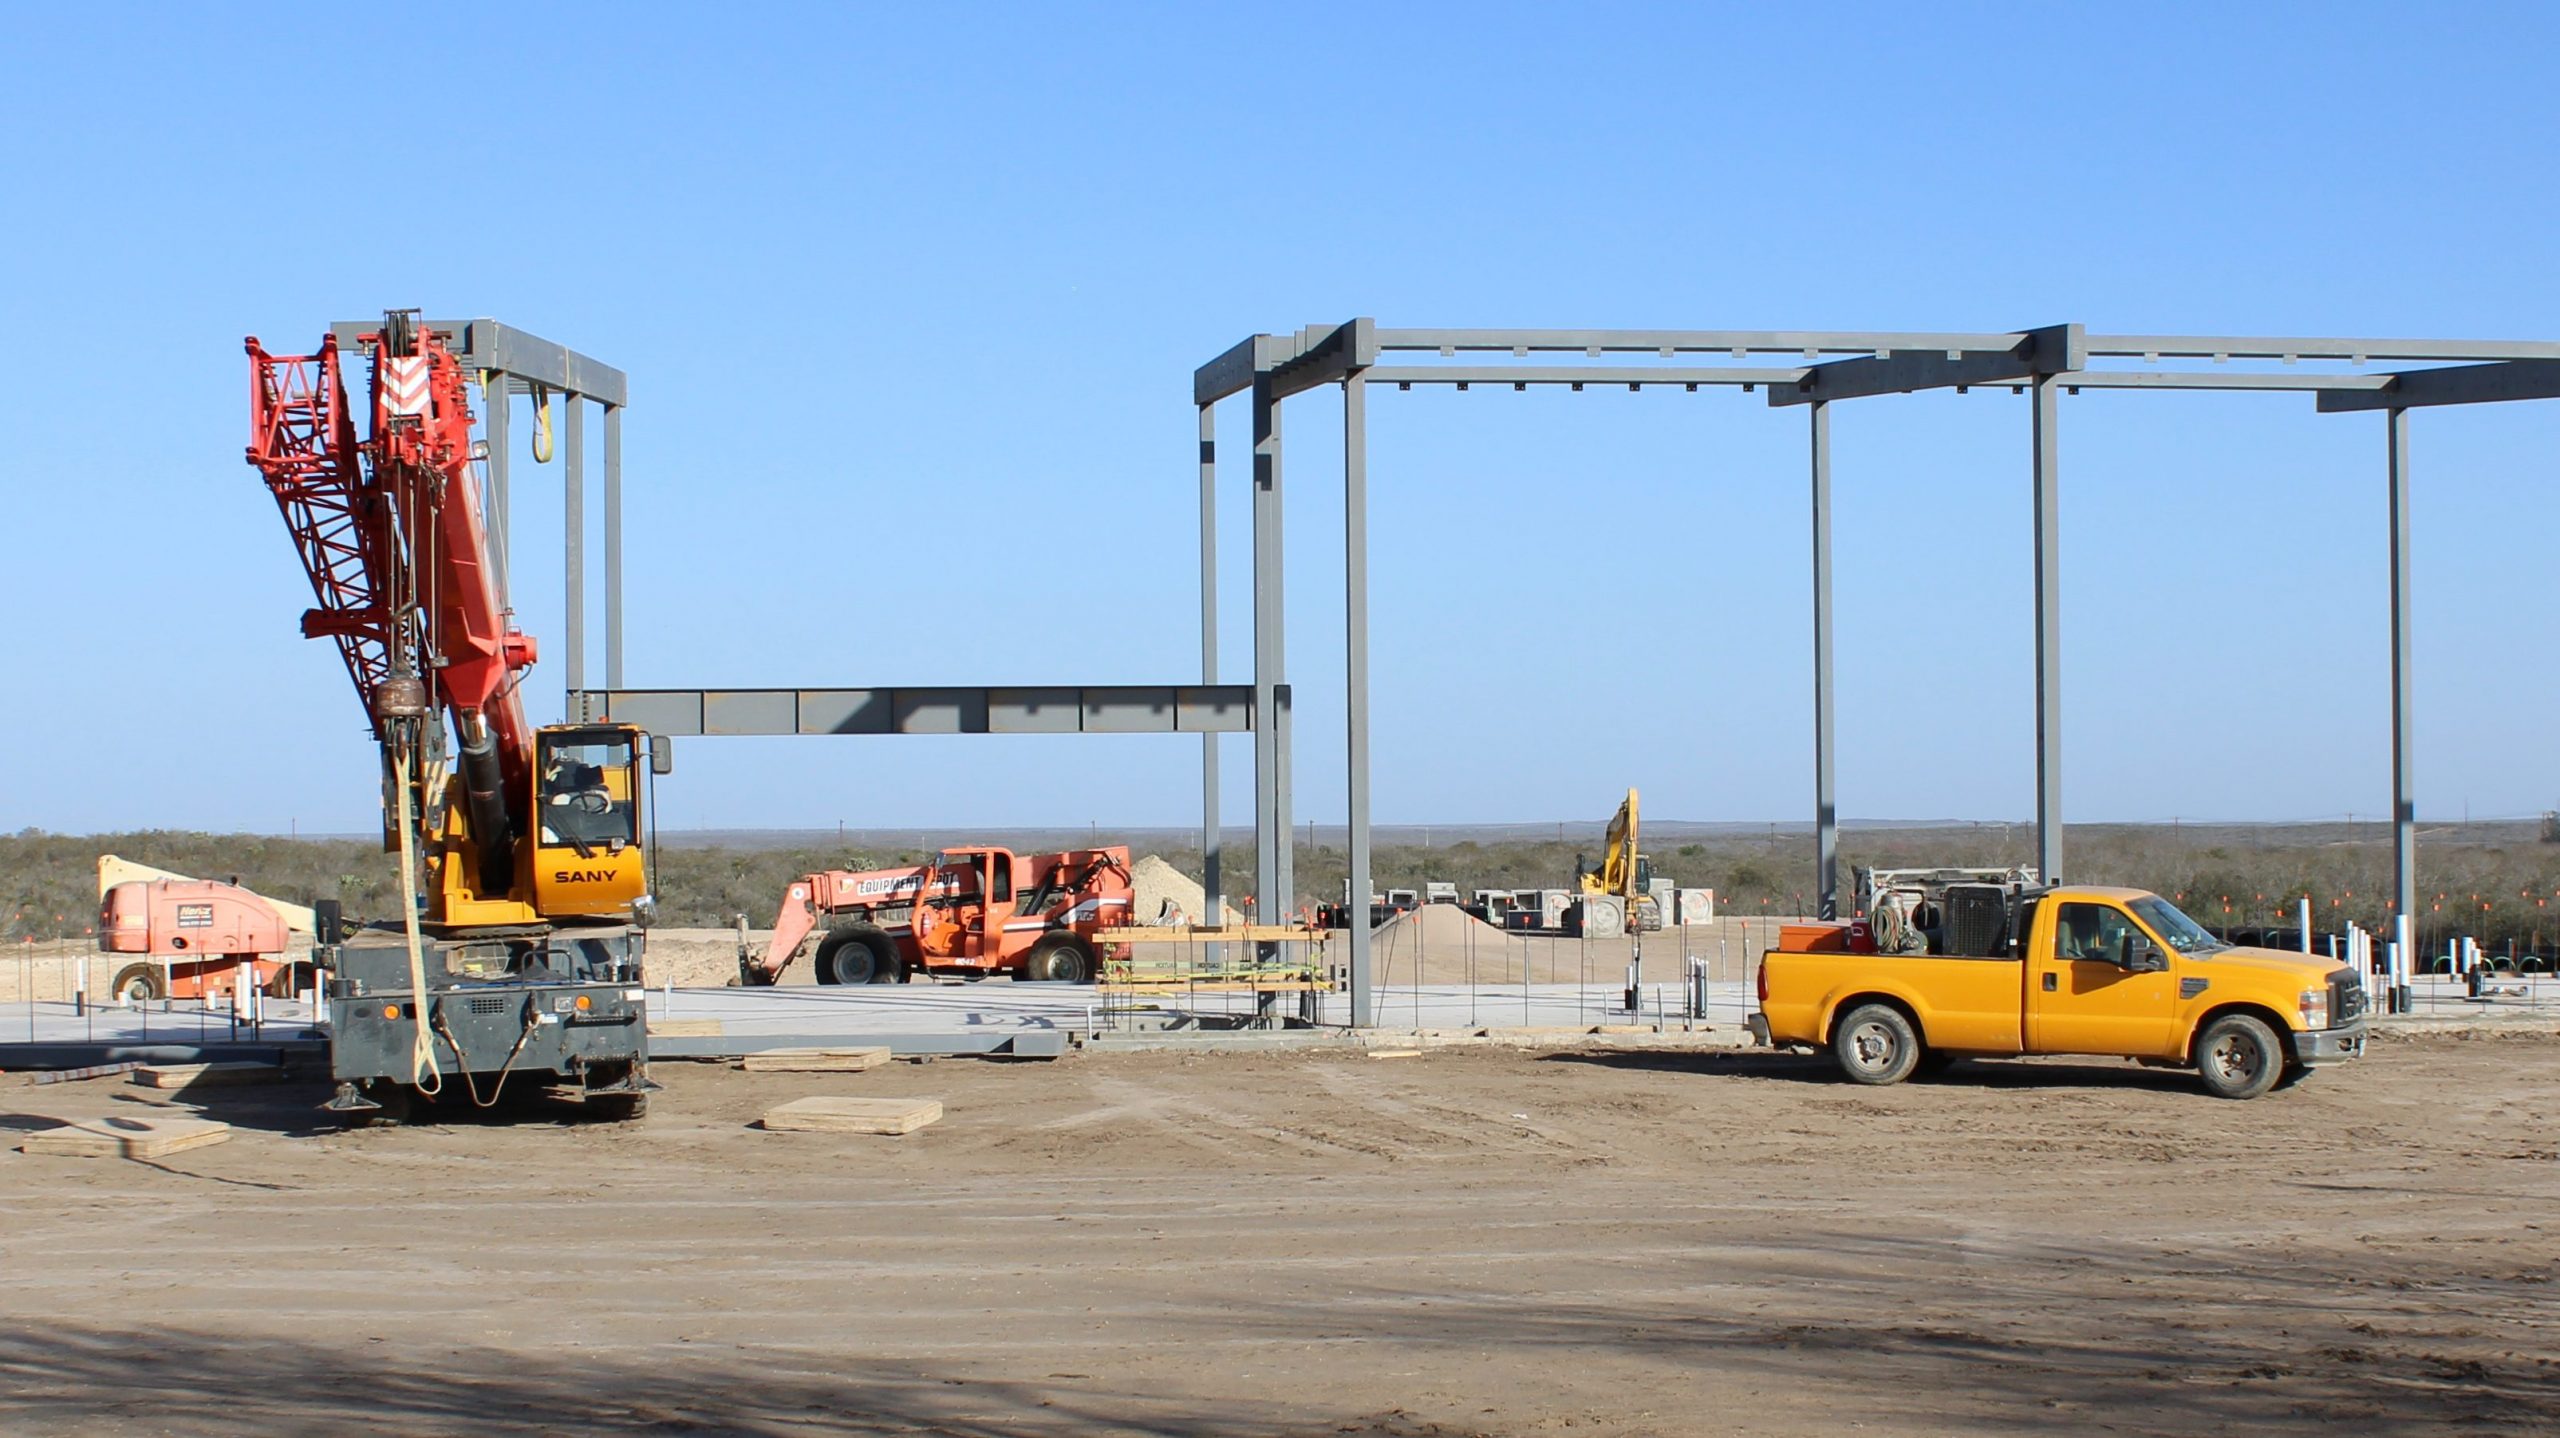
(524, 890)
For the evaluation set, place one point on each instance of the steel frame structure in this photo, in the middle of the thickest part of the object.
(1829, 366)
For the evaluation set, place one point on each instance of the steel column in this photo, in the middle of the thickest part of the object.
(1211, 885)
(1355, 680)
(494, 392)
(1270, 839)
(2404, 812)
(613, 546)
(1826, 807)
(573, 521)
(2048, 543)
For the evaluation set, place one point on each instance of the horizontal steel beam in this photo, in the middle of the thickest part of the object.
(530, 359)
(1668, 343)
(2351, 350)
(1037, 709)
(2217, 379)
(1497, 375)
(2456, 384)
(2051, 350)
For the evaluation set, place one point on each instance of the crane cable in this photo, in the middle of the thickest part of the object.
(422, 1044)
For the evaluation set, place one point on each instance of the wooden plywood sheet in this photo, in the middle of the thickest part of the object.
(815, 1061)
(853, 1115)
(127, 1136)
(205, 1075)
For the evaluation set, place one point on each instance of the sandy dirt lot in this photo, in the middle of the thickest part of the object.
(1467, 1242)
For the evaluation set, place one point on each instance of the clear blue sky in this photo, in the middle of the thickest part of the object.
(910, 297)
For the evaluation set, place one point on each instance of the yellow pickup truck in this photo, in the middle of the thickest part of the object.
(2078, 970)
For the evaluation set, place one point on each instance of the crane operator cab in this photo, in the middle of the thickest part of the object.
(587, 855)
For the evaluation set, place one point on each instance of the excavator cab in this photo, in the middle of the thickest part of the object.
(586, 840)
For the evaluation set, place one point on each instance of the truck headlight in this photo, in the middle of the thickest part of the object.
(2315, 1008)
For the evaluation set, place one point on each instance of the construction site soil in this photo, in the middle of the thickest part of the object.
(1463, 1242)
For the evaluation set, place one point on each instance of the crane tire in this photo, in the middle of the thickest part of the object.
(1876, 1044)
(1061, 959)
(2238, 1056)
(139, 982)
(857, 954)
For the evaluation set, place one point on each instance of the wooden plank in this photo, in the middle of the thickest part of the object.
(853, 1115)
(684, 1028)
(815, 1061)
(93, 1071)
(126, 1137)
(205, 1075)
(1395, 1053)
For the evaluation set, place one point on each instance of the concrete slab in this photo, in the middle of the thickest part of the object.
(853, 1115)
(134, 1136)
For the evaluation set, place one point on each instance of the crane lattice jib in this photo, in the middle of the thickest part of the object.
(302, 438)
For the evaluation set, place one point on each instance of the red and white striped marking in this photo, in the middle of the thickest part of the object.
(404, 385)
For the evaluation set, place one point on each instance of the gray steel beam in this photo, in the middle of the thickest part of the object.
(2455, 384)
(495, 501)
(1677, 342)
(1025, 709)
(1826, 803)
(1493, 376)
(1355, 680)
(2354, 351)
(2051, 350)
(1270, 834)
(1212, 886)
(485, 344)
(2217, 380)
(613, 546)
(1325, 354)
(573, 526)
(2404, 744)
(2048, 578)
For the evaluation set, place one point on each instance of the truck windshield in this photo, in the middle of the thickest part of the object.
(2174, 928)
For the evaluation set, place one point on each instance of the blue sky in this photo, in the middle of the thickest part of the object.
(910, 298)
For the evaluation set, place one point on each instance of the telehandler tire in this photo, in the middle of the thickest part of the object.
(140, 983)
(1875, 1044)
(857, 954)
(2239, 1057)
(1061, 959)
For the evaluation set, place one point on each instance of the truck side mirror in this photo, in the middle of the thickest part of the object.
(662, 754)
(2141, 958)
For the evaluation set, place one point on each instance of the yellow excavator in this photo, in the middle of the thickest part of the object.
(1623, 873)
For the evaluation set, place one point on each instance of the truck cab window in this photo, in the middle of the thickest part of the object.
(2093, 933)
(586, 794)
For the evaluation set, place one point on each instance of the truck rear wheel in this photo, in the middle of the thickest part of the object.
(857, 954)
(2239, 1057)
(1060, 959)
(1875, 1044)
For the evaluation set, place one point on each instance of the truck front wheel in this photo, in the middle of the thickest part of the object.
(2239, 1057)
(1875, 1044)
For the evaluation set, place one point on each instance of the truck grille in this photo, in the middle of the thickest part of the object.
(2346, 999)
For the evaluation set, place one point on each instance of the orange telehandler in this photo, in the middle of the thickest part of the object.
(887, 925)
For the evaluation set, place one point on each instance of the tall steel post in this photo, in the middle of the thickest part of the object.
(1269, 838)
(2048, 520)
(1826, 806)
(1211, 884)
(1355, 678)
(494, 394)
(613, 546)
(2404, 747)
(573, 522)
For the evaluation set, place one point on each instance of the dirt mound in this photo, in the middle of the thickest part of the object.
(1159, 884)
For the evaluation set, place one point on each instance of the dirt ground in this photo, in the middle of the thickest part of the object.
(1466, 1242)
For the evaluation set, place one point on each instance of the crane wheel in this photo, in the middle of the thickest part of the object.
(857, 954)
(1061, 959)
(138, 983)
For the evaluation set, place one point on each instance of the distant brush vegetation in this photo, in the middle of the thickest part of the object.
(2494, 881)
